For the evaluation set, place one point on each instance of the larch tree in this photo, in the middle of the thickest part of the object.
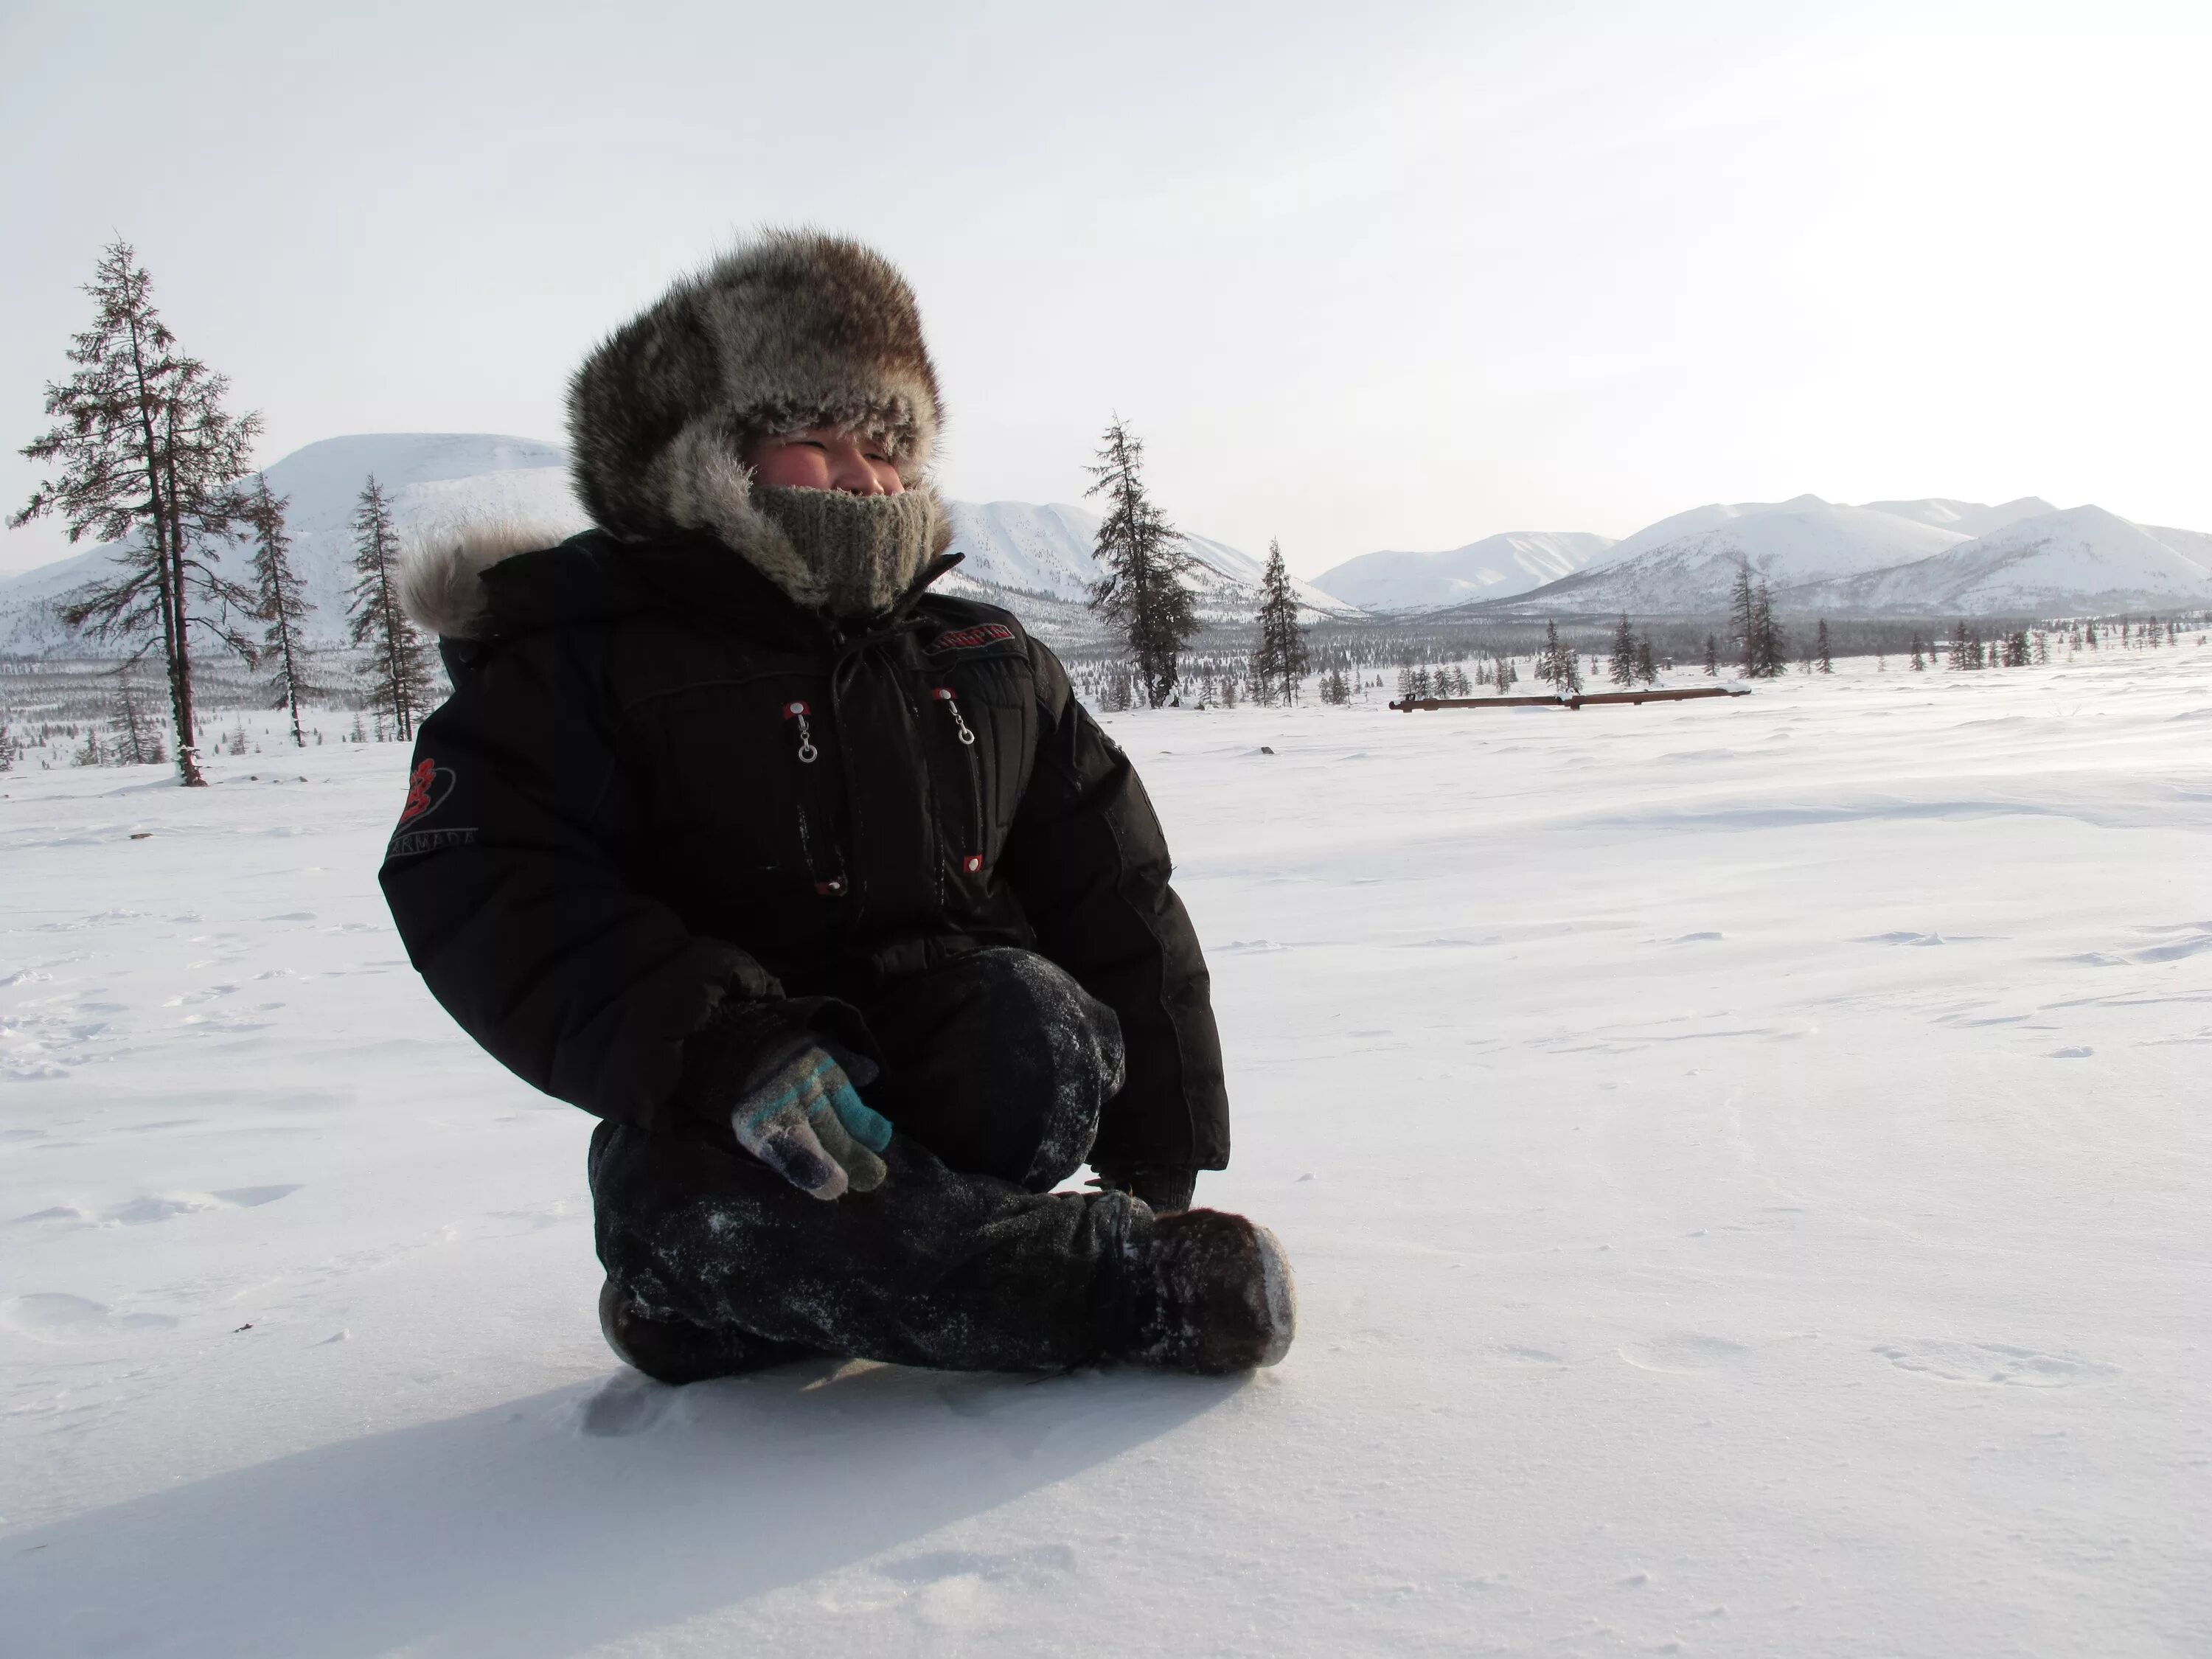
(1773, 638)
(137, 733)
(1621, 668)
(1142, 592)
(1279, 661)
(1743, 618)
(149, 457)
(281, 605)
(1764, 646)
(395, 663)
(1560, 664)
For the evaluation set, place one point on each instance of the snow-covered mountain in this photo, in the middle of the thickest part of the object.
(2082, 558)
(430, 478)
(1845, 558)
(1014, 549)
(1497, 566)
(1684, 563)
(1967, 517)
(1801, 539)
(1020, 548)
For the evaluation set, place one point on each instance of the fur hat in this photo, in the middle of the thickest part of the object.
(792, 330)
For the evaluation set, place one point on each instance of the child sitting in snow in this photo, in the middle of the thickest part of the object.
(820, 890)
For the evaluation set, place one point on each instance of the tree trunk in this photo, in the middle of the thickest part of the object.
(188, 751)
(168, 578)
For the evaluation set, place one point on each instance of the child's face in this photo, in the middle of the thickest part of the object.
(823, 458)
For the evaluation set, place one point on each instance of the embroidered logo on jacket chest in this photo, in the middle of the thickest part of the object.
(971, 638)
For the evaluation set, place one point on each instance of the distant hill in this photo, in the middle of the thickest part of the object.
(2083, 558)
(430, 477)
(1967, 517)
(1497, 566)
(1014, 549)
(1020, 548)
(1906, 557)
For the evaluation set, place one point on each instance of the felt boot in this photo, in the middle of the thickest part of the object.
(1214, 1296)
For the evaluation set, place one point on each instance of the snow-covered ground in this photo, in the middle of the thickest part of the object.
(1747, 1164)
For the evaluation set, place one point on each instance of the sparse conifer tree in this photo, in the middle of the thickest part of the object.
(150, 458)
(395, 665)
(1820, 652)
(1743, 618)
(137, 737)
(1142, 592)
(1766, 646)
(1712, 657)
(1279, 661)
(1919, 654)
(1566, 675)
(1621, 668)
(281, 605)
(1647, 669)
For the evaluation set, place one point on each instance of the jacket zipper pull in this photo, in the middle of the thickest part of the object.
(943, 694)
(972, 863)
(808, 754)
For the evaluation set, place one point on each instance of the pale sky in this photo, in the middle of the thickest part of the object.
(1392, 275)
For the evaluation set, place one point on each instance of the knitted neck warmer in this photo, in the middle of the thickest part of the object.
(849, 555)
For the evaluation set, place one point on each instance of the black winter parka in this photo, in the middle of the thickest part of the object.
(669, 821)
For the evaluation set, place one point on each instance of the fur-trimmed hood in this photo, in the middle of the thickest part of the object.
(442, 583)
(793, 329)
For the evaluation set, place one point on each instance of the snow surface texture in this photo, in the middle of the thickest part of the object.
(1746, 1165)
(436, 479)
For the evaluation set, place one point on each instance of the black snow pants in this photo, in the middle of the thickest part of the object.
(995, 1070)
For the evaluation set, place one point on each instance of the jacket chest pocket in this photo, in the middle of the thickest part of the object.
(972, 734)
(963, 820)
(754, 790)
(815, 795)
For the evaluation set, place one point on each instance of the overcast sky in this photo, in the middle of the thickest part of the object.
(1392, 275)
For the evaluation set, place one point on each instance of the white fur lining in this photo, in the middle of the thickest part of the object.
(440, 583)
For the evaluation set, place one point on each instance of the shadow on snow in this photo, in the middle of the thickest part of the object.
(550, 1524)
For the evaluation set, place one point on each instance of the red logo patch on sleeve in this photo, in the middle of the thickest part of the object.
(428, 785)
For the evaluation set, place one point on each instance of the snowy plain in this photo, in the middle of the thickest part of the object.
(1746, 1163)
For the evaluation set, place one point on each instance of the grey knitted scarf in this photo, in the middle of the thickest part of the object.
(850, 555)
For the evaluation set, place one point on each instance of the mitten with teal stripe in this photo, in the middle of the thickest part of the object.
(808, 1123)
